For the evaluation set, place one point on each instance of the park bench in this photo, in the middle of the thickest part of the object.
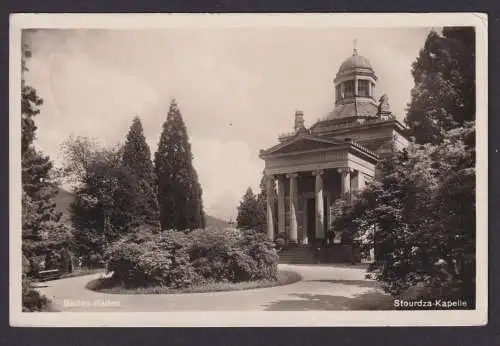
(51, 274)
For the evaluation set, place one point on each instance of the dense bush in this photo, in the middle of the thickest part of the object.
(182, 259)
(420, 217)
(32, 300)
(280, 241)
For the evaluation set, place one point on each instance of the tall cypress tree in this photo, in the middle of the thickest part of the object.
(137, 161)
(179, 192)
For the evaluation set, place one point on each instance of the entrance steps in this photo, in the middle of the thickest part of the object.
(300, 254)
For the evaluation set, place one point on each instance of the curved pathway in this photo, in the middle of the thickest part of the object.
(323, 287)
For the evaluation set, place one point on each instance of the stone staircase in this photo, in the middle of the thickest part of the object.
(300, 254)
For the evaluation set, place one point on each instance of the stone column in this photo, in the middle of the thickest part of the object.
(345, 180)
(281, 205)
(355, 86)
(355, 183)
(294, 202)
(320, 232)
(270, 207)
(327, 211)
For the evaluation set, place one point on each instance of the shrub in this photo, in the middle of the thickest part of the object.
(32, 300)
(123, 261)
(280, 241)
(262, 251)
(167, 263)
(157, 259)
(219, 255)
(182, 259)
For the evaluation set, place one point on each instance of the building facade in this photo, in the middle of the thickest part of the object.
(312, 167)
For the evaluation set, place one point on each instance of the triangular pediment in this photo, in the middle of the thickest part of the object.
(303, 143)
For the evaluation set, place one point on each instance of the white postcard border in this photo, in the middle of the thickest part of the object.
(253, 318)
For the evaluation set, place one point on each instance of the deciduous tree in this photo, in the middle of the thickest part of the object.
(105, 194)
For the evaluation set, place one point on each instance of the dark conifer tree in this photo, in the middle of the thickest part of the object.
(41, 230)
(179, 192)
(444, 96)
(30, 103)
(251, 215)
(137, 161)
(38, 185)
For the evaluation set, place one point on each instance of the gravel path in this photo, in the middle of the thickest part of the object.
(322, 288)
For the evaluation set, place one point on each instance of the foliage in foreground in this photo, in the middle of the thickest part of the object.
(32, 300)
(42, 230)
(420, 217)
(112, 196)
(183, 259)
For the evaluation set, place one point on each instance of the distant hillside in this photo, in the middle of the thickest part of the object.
(212, 221)
(64, 199)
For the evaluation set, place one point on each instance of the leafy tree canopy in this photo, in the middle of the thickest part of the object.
(420, 216)
(444, 96)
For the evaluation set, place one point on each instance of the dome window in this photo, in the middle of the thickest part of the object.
(363, 88)
(338, 92)
(349, 88)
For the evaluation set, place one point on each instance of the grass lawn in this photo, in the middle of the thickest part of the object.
(285, 277)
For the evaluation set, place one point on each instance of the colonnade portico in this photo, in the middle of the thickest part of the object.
(320, 193)
(314, 166)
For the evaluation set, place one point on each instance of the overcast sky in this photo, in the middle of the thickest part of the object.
(237, 88)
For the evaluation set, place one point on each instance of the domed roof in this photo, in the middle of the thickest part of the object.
(355, 62)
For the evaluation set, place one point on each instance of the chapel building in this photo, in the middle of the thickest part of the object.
(312, 167)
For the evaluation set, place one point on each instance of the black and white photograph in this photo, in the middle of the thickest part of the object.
(248, 170)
